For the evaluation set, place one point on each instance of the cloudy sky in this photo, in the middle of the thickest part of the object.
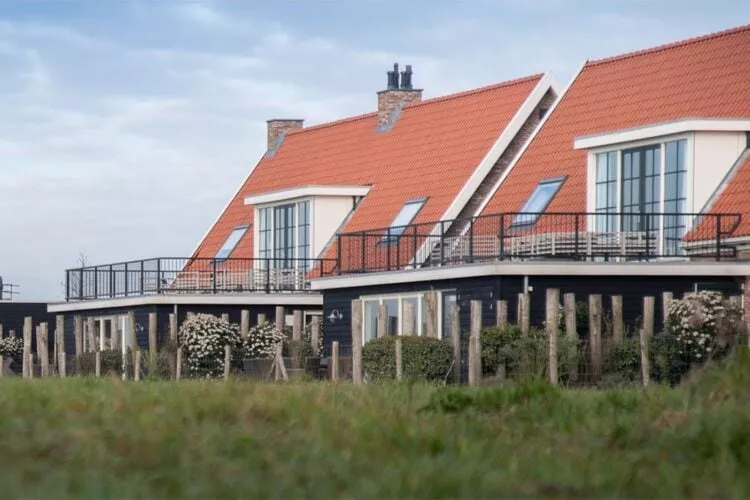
(125, 125)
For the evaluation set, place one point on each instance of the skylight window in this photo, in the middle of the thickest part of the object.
(404, 218)
(538, 201)
(231, 242)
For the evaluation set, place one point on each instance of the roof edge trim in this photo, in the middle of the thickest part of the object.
(654, 130)
(306, 191)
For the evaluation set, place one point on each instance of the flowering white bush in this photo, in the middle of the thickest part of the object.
(204, 337)
(11, 347)
(699, 319)
(262, 340)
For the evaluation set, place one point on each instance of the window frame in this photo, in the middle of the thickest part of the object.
(266, 250)
(521, 219)
(419, 311)
(242, 227)
(389, 237)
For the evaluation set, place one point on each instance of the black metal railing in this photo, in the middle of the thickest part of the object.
(175, 275)
(539, 236)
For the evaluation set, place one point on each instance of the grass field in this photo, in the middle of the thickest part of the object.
(108, 439)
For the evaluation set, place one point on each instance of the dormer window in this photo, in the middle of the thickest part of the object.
(538, 201)
(404, 217)
(231, 242)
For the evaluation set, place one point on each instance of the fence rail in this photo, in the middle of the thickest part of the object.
(179, 275)
(539, 236)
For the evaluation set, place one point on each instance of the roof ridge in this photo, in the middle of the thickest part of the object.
(432, 100)
(670, 45)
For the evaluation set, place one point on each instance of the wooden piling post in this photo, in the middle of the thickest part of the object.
(42, 347)
(178, 369)
(649, 304)
(297, 325)
(381, 329)
(552, 324)
(618, 326)
(315, 335)
(225, 317)
(409, 322)
(644, 339)
(357, 375)
(524, 312)
(90, 340)
(595, 335)
(475, 346)
(431, 313)
(2, 365)
(261, 318)
(280, 318)
(62, 366)
(501, 314)
(569, 308)
(335, 361)
(133, 340)
(31, 365)
(227, 361)
(244, 323)
(190, 315)
(98, 364)
(153, 350)
(399, 360)
(27, 330)
(137, 374)
(173, 331)
(456, 338)
(59, 339)
(666, 302)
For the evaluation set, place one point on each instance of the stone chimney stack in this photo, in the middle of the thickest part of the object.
(396, 95)
(278, 128)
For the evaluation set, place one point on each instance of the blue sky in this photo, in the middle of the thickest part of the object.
(126, 125)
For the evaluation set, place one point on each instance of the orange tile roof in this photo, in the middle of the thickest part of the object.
(701, 77)
(431, 151)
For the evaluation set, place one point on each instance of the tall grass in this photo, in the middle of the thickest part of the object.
(87, 438)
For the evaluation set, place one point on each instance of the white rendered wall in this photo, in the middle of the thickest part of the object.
(328, 213)
(714, 153)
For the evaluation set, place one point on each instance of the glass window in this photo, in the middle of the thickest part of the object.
(606, 191)
(641, 188)
(304, 233)
(371, 319)
(231, 242)
(537, 202)
(449, 300)
(675, 195)
(404, 218)
(391, 304)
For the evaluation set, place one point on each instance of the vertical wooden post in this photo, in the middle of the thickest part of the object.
(1, 330)
(315, 335)
(297, 325)
(42, 347)
(280, 318)
(431, 313)
(649, 304)
(552, 324)
(190, 315)
(281, 369)
(59, 339)
(618, 326)
(666, 302)
(78, 334)
(62, 364)
(31, 365)
(644, 338)
(382, 322)
(2, 366)
(173, 332)
(261, 318)
(335, 361)
(137, 374)
(225, 317)
(571, 326)
(90, 335)
(227, 361)
(133, 340)
(152, 345)
(117, 333)
(27, 329)
(178, 369)
(357, 375)
(501, 320)
(456, 338)
(595, 335)
(475, 346)
(399, 360)
(409, 315)
(244, 323)
(98, 364)
(524, 311)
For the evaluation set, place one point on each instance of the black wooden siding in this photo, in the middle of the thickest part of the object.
(12, 316)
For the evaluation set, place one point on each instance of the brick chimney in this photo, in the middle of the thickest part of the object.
(278, 128)
(395, 96)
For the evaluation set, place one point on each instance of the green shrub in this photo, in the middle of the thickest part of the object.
(299, 349)
(423, 358)
(668, 365)
(496, 347)
(622, 365)
(111, 361)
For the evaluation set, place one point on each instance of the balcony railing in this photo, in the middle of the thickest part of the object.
(539, 236)
(178, 275)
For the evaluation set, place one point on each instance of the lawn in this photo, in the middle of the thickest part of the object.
(88, 438)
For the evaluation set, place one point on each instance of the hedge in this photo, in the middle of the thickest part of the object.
(423, 358)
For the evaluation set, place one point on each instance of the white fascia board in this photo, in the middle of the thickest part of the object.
(467, 191)
(305, 192)
(528, 142)
(674, 268)
(652, 131)
(270, 299)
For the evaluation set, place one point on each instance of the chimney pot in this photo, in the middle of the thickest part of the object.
(395, 96)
